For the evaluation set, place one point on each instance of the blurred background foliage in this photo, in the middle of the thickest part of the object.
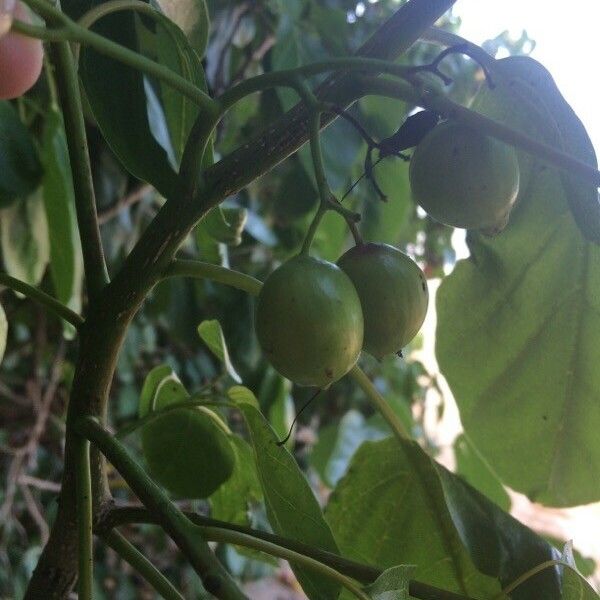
(255, 230)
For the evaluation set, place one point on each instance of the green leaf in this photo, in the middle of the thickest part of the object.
(239, 395)
(66, 266)
(384, 221)
(3, 332)
(20, 167)
(532, 295)
(212, 335)
(146, 127)
(233, 500)
(292, 508)
(166, 44)
(192, 18)
(392, 584)
(150, 388)
(526, 87)
(24, 239)
(478, 473)
(338, 443)
(390, 509)
(188, 450)
(499, 545)
(224, 224)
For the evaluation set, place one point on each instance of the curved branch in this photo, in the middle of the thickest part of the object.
(121, 515)
(58, 308)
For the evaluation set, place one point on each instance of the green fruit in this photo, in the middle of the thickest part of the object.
(188, 450)
(463, 178)
(393, 294)
(309, 322)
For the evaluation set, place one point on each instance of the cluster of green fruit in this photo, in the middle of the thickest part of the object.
(313, 317)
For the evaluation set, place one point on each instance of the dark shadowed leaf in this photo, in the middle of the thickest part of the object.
(20, 167)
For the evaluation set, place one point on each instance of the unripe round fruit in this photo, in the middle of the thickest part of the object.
(309, 321)
(21, 59)
(393, 294)
(463, 178)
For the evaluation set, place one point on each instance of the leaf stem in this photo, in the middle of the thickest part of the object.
(378, 401)
(96, 273)
(83, 480)
(364, 573)
(229, 536)
(451, 110)
(216, 273)
(42, 298)
(215, 578)
(141, 564)
(531, 573)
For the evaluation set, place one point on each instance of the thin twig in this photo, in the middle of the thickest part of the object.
(127, 201)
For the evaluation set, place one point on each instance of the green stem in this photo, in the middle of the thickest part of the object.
(452, 110)
(312, 229)
(73, 32)
(141, 564)
(41, 33)
(358, 571)
(42, 298)
(216, 273)
(215, 578)
(107, 8)
(378, 401)
(129, 429)
(96, 274)
(85, 553)
(529, 574)
(229, 536)
(286, 77)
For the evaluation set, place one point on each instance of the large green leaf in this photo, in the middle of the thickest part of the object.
(518, 327)
(24, 239)
(3, 332)
(116, 96)
(66, 265)
(478, 473)
(390, 509)
(20, 168)
(145, 127)
(292, 508)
